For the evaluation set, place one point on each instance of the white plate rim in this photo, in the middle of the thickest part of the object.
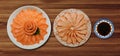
(42, 42)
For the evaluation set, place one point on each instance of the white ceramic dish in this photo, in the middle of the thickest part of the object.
(10, 20)
(59, 38)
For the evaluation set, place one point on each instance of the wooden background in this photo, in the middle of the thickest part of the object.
(95, 9)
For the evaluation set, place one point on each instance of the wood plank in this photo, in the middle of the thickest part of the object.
(60, 2)
(95, 9)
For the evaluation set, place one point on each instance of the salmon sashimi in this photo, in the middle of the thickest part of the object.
(29, 27)
(72, 27)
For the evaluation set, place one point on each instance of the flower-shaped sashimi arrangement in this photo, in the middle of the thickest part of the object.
(72, 27)
(30, 27)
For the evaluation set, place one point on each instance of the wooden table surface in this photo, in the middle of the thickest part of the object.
(95, 9)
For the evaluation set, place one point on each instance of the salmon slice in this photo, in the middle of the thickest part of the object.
(20, 38)
(73, 38)
(43, 32)
(17, 34)
(77, 38)
(41, 37)
(20, 23)
(33, 39)
(64, 38)
(84, 27)
(37, 39)
(68, 34)
(16, 26)
(64, 19)
(15, 30)
(42, 21)
(69, 41)
(67, 15)
(29, 40)
(73, 16)
(83, 22)
(25, 41)
(83, 32)
(80, 35)
(61, 23)
(39, 17)
(78, 19)
(60, 29)
(63, 33)
(43, 26)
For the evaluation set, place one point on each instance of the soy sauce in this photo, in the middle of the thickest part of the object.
(104, 28)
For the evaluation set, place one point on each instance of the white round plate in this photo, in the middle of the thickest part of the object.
(12, 38)
(59, 38)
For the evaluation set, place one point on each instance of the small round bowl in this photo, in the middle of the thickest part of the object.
(100, 21)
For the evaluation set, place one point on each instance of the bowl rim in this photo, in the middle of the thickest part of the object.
(107, 21)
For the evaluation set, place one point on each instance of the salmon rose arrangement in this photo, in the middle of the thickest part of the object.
(29, 27)
(72, 27)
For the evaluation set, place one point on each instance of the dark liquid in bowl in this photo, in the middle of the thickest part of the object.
(103, 28)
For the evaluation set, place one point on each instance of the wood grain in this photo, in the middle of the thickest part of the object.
(95, 9)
